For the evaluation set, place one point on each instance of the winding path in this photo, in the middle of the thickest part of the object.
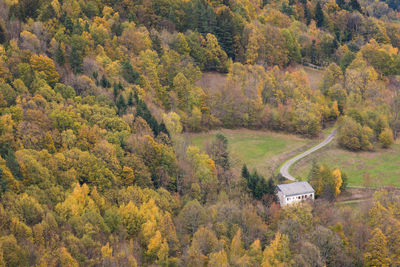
(284, 171)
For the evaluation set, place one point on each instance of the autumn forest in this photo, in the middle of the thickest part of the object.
(97, 98)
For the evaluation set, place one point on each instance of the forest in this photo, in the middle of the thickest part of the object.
(95, 96)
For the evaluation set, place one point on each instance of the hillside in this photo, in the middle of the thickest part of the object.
(98, 99)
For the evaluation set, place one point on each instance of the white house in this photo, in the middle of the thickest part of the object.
(294, 192)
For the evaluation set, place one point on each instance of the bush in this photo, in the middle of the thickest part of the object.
(386, 138)
(353, 136)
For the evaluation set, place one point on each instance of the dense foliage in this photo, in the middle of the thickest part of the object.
(94, 95)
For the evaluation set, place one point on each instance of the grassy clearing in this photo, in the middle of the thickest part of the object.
(314, 76)
(371, 169)
(264, 151)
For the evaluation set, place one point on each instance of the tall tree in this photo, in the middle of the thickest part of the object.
(60, 59)
(319, 15)
(278, 252)
(355, 6)
(76, 60)
(376, 251)
(2, 35)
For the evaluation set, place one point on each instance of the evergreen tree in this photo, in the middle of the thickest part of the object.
(87, 27)
(130, 100)
(225, 31)
(60, 59)
(25, 9)
(163, 129)
(307, 13)
(313, 52)
(143, 111)
(3, 183)
(104, 82)
(314, 172)
(355, 6)
(2, 35)
(77, 28)
(257, 184)
(156, 44)
(245, 172)
(69, 25)
(287, 9)
(319, 15)
(344, 181)
(76, 60)
(121, 105)
(11, 161)
(129, 74)
(117, 88)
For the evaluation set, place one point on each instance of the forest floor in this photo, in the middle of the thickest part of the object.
(261, 150)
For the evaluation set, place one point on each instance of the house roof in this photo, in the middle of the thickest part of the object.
(295, 188)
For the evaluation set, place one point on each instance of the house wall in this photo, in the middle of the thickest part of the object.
(286, 200)
(281, 197)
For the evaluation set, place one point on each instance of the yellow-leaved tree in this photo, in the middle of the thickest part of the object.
(376, 252)
(337, 181)
(44, 64)
(278, 252)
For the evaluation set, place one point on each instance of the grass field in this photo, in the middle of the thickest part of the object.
(370, 169)
(264, 151)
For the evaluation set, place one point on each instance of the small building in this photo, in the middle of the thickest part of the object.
(294, 192)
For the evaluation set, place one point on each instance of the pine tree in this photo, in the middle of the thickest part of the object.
(69, 25)
(121, 105)
(105, 83)
(162, 128)
(76, 60)
(344, 181)
(143, 111)
(60, 59)
(11, 161)
(2, 35)
(156, 43)
(130, 100)
(225, 31)
(307, 14)
(355, 6)
(128, 73)
(87, 27)
(245, 172)
(3, 183)
(319, 15)
(314, 172)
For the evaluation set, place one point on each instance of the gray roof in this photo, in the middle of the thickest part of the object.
(295, 188)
